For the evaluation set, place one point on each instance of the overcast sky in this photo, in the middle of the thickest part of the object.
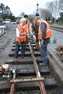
(26, 6)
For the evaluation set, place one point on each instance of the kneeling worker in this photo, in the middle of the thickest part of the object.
(21, 34)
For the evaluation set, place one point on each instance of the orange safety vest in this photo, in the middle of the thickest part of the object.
(39, 33)
(28, 25)
(23, 33)
(48, 31)
(34, 23)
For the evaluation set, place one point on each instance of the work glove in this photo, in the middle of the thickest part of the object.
(40, 47)
(27, 38)
(19, 43)
(42, 42)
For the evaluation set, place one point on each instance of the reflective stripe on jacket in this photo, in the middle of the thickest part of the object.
(39, 33)
(28, 25)
(34, 23)
(23, 33)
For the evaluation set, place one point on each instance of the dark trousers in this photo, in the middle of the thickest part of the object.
(44, 53)
(23, 46)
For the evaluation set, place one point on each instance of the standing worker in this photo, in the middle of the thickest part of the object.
(44, 35)
(35, 27)
(21, 33)
(27, 23)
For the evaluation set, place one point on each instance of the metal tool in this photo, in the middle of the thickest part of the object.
(40, 47)
(7, 74)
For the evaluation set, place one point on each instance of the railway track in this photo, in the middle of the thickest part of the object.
(34, 76)
(57, 28)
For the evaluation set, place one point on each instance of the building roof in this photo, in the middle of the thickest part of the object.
(18, 17)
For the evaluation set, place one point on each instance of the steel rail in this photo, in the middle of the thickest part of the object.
(41, 84)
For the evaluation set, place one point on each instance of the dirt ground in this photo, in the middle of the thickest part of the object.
(6, 42)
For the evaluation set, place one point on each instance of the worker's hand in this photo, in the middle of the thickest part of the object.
(19, 43)
(33, 33)
(28, 38)
(28, 31)
(42, 42)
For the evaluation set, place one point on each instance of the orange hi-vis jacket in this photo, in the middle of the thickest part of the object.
(48, 31)
(23, 33)
(34, 23)
(28, 25)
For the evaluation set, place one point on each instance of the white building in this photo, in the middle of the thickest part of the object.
(0, 10)
(18, 19)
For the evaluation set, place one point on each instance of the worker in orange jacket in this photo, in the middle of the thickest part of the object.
(35, 27)
(21, 33)
(34, 23)
(27, 23)
(44, 35)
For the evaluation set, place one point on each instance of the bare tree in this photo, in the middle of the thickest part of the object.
(53, 7)
(22, 14)
(61, 5)
(56, 9)
(45, 14)
(1, 18)
(5, 9)
(49, 7)
(31, 17)
(2, 6)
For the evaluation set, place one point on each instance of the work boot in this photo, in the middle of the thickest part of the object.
(15, 59)
(22, 56)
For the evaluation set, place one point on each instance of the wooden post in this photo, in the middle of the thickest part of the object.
(13, 85)
(27, 80)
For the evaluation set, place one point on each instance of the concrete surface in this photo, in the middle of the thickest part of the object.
(57, 26)
(59, 37)
(6, 42)
(57, 65)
